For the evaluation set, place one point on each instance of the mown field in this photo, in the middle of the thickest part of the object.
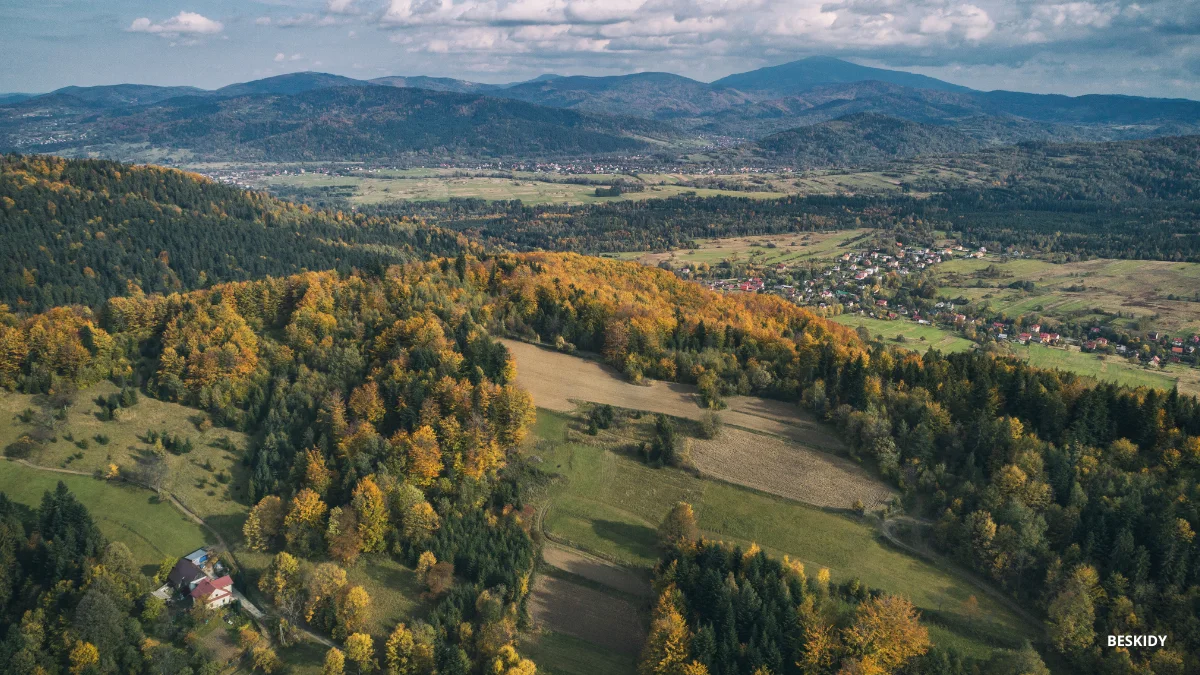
(210, 480)
(916, 337)
(560, 654)
(607, 502)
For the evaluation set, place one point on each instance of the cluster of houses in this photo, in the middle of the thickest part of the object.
(843, 281)
(198, 577)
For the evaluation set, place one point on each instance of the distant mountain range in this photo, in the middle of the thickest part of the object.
(323, 116)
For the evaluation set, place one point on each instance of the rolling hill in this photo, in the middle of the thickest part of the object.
(655, 95)
(81, 231)
(860, 139)
(793, 78)
(292, 83)
(318, 116)
(343, 123)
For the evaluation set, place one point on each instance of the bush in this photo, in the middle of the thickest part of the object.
(82, 444)
(102, 439)
(22, 448)
(710, 425)
(600, 417)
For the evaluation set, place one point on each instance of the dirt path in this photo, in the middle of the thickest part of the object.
(885, 528)
(588, 614)
(594, 569)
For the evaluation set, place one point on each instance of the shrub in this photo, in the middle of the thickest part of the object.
(710, 425)
(601, 417)
(102, 439)
(82, 444)
(21, 448)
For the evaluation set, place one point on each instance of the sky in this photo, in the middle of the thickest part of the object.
(1147, 48)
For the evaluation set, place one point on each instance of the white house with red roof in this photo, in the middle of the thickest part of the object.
(215, 592)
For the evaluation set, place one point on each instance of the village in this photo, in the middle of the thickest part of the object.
(877, 283)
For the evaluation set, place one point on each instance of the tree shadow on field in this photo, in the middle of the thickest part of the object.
(639, 538)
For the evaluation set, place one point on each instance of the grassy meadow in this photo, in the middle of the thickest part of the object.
(211, 481)
(1139, 289)
(916, 337)
(152, 529)
(609, 503)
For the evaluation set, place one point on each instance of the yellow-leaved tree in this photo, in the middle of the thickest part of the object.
(666, 650)
(887, 632)
(371, 510)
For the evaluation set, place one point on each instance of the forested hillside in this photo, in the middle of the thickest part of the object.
(81, 231)
(1128, 199)
(1076, 499)
(77, 603)
(385, 415)
(860, 139)
(339, 123)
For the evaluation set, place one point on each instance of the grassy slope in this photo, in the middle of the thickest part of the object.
(611, 504)
(222, 505)
(916, 337)
(152, 529)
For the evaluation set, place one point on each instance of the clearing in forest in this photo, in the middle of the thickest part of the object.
(210, 479)
(766, 445)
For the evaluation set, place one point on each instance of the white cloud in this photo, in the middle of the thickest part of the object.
(340, 6)
(184, 23)
(972, 22)
(263, 21)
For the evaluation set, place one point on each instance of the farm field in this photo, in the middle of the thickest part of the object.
(560, 654)
(770, 464)
(211, 481)
(609, 503)
(767, 249)
(1137, 288)
(380, 190)
(554, 378)
(602, 619)
(916, 337)
(596, 570)
(1111, 368)
(152, 530)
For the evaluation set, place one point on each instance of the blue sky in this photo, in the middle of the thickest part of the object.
(1147, 48)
